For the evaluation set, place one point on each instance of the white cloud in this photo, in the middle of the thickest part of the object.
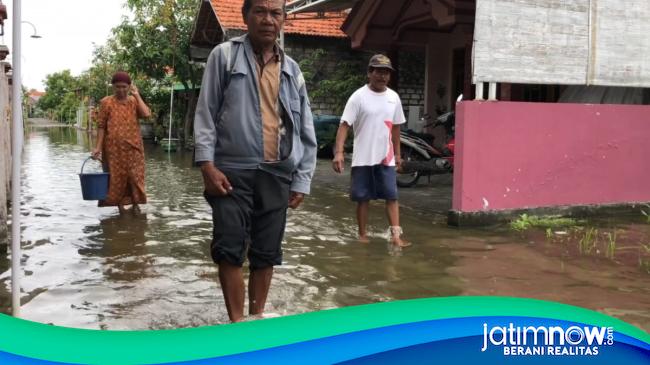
(68, 27)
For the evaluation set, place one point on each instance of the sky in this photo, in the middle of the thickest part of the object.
(69, 29)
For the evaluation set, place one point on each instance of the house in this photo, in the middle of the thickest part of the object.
(33, 96)
(305, 37)
(219, 20)
(521, 150)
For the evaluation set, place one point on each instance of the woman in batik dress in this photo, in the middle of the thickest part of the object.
(119, 144)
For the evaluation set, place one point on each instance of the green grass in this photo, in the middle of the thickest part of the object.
(588, 242)
(525, 222)
(646, 248)
(549, 233)
(644, 264)
(611, 245)
(644, 261)
(646, 214)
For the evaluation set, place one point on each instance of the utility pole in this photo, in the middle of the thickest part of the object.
(17, 151)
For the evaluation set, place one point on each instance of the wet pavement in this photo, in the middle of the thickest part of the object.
(88, 267)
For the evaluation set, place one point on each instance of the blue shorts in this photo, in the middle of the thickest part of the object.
(373, 182)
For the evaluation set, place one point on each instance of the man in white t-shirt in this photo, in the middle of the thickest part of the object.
(375, 113)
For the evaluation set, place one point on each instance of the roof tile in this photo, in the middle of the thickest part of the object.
(229, 15)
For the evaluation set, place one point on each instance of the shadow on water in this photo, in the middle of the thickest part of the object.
(120, 242)
(89, 267)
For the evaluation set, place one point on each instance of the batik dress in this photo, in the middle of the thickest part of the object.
(123, 152)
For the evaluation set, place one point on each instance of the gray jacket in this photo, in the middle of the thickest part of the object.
(228, 120)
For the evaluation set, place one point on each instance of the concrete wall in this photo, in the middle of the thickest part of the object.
(569, 42)
(528, 155)
(5, 157)
(438, 68)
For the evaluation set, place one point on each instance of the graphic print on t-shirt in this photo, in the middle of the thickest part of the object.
(390, 156)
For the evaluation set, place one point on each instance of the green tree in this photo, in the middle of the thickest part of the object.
(338, 83)
(96, 80)
(61, 95)
(152, 43)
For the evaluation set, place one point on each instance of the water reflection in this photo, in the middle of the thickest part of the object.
(120, 240)
(89, 267)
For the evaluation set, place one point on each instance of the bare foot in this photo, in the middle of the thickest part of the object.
(121, 209)
(255, 317)
(394, 250)
(364, 239)
(136, 209)
(399, 242)
(395, 237)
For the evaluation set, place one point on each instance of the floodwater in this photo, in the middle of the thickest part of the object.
(88, 267)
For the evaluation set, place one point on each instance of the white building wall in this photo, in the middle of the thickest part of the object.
(570, 42)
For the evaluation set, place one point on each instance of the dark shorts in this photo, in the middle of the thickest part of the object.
(373, 182)
(250, 220)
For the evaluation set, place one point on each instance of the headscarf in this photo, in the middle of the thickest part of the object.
(121, 76)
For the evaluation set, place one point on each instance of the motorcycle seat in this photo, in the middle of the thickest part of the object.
(428, 138)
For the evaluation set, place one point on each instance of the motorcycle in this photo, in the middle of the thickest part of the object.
(423, 155)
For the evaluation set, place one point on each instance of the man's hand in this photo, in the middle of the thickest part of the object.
(338, 163)
(295, 199)
(398, 163)
(214, 181)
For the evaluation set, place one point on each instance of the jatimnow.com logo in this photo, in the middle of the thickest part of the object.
(547, 340)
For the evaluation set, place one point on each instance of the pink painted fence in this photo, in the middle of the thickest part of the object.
(527, 155)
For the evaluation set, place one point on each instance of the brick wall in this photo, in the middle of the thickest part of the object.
(338, 51)
(411, 80)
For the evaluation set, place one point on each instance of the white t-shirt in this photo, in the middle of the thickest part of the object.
(372, 116)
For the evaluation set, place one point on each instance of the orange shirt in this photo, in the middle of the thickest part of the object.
(119, 119)
(268, 83)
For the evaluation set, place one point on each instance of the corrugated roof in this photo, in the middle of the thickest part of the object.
(229, 16)
(315, 6)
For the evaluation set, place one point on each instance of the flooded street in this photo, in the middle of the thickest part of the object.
(88, 267)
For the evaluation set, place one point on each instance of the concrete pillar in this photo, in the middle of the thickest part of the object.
(506, 91)
(437, 92)
(468, 90)
(492, 94)
(479, 91)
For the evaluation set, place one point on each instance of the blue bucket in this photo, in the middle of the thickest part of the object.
(94, 186)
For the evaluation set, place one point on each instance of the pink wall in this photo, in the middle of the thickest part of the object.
(527, 155)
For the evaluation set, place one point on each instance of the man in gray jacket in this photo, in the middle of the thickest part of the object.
(256, 146)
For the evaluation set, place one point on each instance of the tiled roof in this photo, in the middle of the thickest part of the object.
(229, 14)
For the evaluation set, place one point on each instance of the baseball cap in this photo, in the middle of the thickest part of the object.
(380, 61)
